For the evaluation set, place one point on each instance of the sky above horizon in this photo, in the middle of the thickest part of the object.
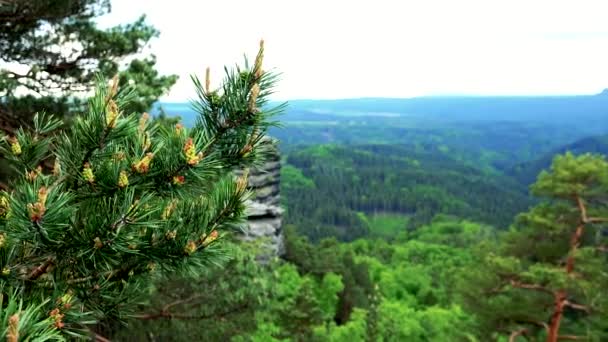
(384, 48)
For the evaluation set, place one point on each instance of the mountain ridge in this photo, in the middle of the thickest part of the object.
(526, 172)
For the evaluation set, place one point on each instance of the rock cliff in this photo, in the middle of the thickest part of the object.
(264, 211)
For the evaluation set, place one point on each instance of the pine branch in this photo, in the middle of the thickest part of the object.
(98, 242)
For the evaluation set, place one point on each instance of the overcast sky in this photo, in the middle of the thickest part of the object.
(381, 48)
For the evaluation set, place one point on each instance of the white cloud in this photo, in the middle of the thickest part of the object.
(336, 49)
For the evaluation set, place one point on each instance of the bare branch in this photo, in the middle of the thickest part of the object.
(181, 301)
(577, 306)
(40, 270)
(581, 208)
(517, 333)
(168, 315)
(99, 338)
(571, 337)
(597, 219)
(534, 287)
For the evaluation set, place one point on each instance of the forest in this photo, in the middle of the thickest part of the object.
(447, 218)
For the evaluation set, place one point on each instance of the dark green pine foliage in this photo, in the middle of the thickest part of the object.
(127, 200)
(328, 187)
(547, 279)
(220, 303)
(52, 50)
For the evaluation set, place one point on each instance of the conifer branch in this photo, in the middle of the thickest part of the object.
(89, 240)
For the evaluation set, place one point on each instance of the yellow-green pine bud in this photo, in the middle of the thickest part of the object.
(123, 179)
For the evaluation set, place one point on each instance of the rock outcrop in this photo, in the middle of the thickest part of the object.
(264, 211)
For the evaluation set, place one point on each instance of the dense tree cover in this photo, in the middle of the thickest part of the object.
(243, 300)
(52, 50)
(490, 146)
(488, 133)
(450, 280)
(527, 172)
(126, 199)
(321, 293)
(125, 237)
(328, 186)
(367, 290)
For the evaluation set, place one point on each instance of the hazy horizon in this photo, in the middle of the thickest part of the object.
(185, 101)
(386, 49)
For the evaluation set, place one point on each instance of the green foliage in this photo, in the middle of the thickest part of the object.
(449, 231)
(27, 322)
(528, 171)
(398, 323)
(387, 225)
(127, 200)
(60, 49)
(292, 177)
(549, 265)
(354, 330)
(380, 180)
(217, 304)
(327, 294)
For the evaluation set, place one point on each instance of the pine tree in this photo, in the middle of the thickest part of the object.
(51, 48)
(547, 279)
(127, 199)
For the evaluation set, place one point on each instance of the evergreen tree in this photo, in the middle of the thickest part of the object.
(52, 49)
(127, 199)
(547, 279)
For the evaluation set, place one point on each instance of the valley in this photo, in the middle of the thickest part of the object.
(422, 220)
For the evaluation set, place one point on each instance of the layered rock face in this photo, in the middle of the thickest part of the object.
(264, 211)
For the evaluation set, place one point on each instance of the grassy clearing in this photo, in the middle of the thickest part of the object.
(387, 225)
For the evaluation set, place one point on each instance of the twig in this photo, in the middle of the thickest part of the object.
(534, 287)
(40, 270)
(577, 306)
(168, 315)
(517, 333)
(100, 338)
(571, 337)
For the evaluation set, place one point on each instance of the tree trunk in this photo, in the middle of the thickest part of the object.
(556, 318)
(561, 295)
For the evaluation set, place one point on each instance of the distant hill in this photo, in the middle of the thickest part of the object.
(491, 133)
(512, 108)
(329, 189)
(527, 172)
